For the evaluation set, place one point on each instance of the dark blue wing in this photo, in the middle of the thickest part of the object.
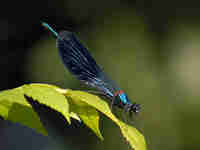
(80, 63)
(76, 57)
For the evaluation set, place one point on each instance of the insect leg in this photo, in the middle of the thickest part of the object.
(124, 116)
(112, 102)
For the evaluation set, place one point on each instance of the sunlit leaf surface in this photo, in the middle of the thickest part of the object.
(79, 105)
(131, 134)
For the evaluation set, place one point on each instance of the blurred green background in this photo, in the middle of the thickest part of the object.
(151, 48)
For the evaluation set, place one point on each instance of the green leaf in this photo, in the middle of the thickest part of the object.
(131, 134)
(75, 116)
(14, 107)
(48, 95)
(88, 115)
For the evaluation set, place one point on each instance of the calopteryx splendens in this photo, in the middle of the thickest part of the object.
(82, 65)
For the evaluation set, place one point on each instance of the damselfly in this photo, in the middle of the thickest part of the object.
(82, 65)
